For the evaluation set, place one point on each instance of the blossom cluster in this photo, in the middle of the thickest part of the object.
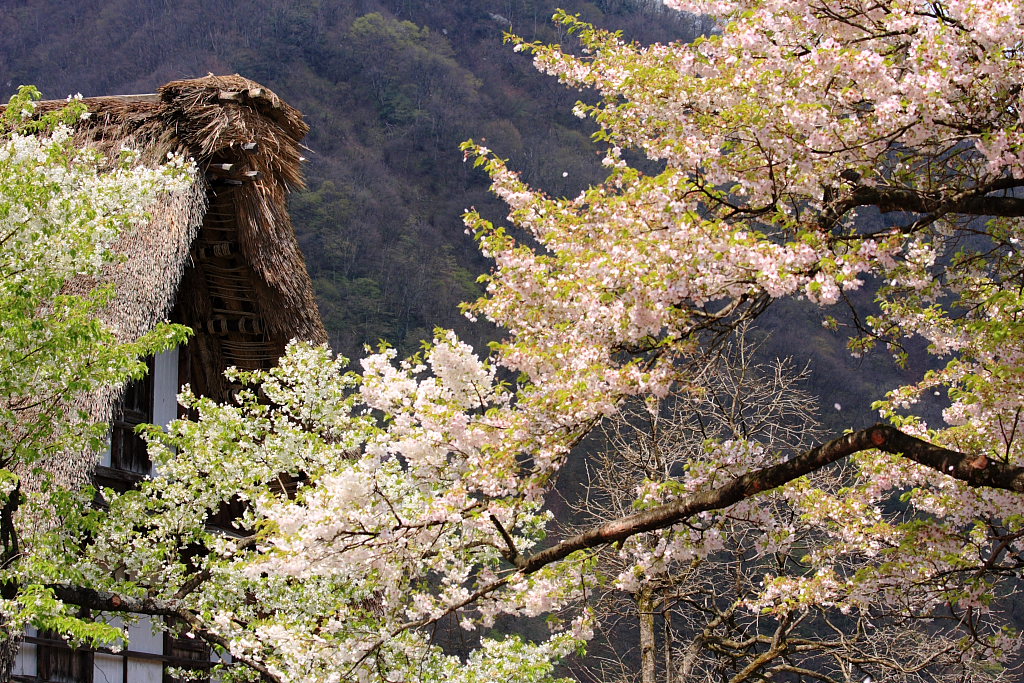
(62, 209)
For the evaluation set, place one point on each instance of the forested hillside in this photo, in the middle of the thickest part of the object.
(390, 89)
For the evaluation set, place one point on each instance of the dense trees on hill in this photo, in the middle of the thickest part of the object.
(391, 87)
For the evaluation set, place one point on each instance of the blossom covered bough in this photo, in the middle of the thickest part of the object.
(61, 210)
(806, 149)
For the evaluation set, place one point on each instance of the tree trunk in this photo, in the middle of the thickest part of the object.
(648, 650)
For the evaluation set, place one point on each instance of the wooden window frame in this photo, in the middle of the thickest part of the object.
(49, 649)
(128, 451)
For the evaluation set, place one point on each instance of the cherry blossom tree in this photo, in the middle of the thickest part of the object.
(61, 208)
(687, 617)
(783, 139)
(421, 483)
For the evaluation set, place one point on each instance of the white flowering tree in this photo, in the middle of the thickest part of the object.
(382, 503)
(60, 210)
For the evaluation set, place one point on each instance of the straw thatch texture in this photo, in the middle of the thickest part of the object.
(214, 129)
(221, 257)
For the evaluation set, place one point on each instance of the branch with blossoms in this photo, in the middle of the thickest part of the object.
(973, 470)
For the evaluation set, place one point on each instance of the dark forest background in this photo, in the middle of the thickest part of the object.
(390, 88)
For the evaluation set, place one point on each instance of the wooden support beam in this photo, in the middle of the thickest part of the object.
(223, 325)
(244, 307)
(207, 252)
(220, 172)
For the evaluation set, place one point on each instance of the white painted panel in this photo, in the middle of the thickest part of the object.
(145, 671)
(165, 388)
(105, 454)
(107, 668)
(25, 663)
(141, 637)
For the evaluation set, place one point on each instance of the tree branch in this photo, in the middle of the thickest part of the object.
(111, 602)
(974, 470)
(897, 199)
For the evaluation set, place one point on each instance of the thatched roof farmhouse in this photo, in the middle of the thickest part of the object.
(226, 252)
(220, 257)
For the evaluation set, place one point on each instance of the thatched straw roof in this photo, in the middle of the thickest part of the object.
(222, 257)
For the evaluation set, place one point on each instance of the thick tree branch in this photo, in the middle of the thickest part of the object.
(898, 199)
(975, 470)
(111, 602)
